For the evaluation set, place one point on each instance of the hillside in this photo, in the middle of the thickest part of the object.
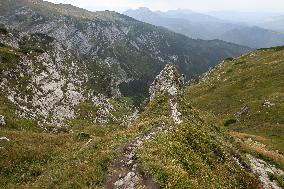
(169, 144)
(187, 150)
(132, 51)
(246, 94)
(202, 26)
(100, 100)
(260, 38)
(62, 57)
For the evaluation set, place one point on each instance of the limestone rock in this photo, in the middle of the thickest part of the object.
(105, 108)
(170, 82)
(4, 138)
(263, 169)
(2, 120)
(243, 112)
(268, 104)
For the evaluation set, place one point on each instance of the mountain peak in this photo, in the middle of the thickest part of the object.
(143, 9)
(169, 81)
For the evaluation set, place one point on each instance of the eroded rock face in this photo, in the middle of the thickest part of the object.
(170, 82)
(46, 85)
(47, 82)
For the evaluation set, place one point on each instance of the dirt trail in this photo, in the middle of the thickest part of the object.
(125, 173)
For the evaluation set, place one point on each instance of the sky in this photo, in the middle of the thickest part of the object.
(195, 5)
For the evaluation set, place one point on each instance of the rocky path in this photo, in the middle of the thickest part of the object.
(263, 169)
(124, 171)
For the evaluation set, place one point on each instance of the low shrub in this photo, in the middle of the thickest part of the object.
(230, 122)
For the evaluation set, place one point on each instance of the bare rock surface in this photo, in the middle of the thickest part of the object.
(4, 139)
(263, 169)
(105, 108)
(2, 120)
(170, 82)
(244, 111)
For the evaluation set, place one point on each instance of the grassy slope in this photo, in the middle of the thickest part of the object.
(195, 153)
(43, 160)
(248, 80)
(35, 159)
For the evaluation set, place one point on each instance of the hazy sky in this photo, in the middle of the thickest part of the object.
(197, 5)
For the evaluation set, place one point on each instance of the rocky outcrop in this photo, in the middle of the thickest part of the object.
(46, 82)
(2, 120)
(104, 114)
(244, 111)
(268, 104)
(45, 85)
(170, 82)
(263, 170)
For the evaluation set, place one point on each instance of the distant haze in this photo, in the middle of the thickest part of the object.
(164, 5)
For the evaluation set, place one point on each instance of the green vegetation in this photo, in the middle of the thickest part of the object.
(39, 160)
(229, 122)
(193, 155)
(255, 80)
(279, 179)
(193, 152)
(196, 153)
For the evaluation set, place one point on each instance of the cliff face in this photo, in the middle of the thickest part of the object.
(45, 82)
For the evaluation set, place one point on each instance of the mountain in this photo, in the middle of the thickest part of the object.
(170, 144)
(260, 38)
(201, 26)
(242, 17)
(267, 20)
(191, 16)
(178, 139)
(100, 100)
(64, 57)
(194, 25)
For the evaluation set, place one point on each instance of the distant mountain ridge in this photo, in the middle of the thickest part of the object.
(276, 23)
(202, 26)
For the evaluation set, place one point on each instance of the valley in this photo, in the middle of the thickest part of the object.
(101, 100)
